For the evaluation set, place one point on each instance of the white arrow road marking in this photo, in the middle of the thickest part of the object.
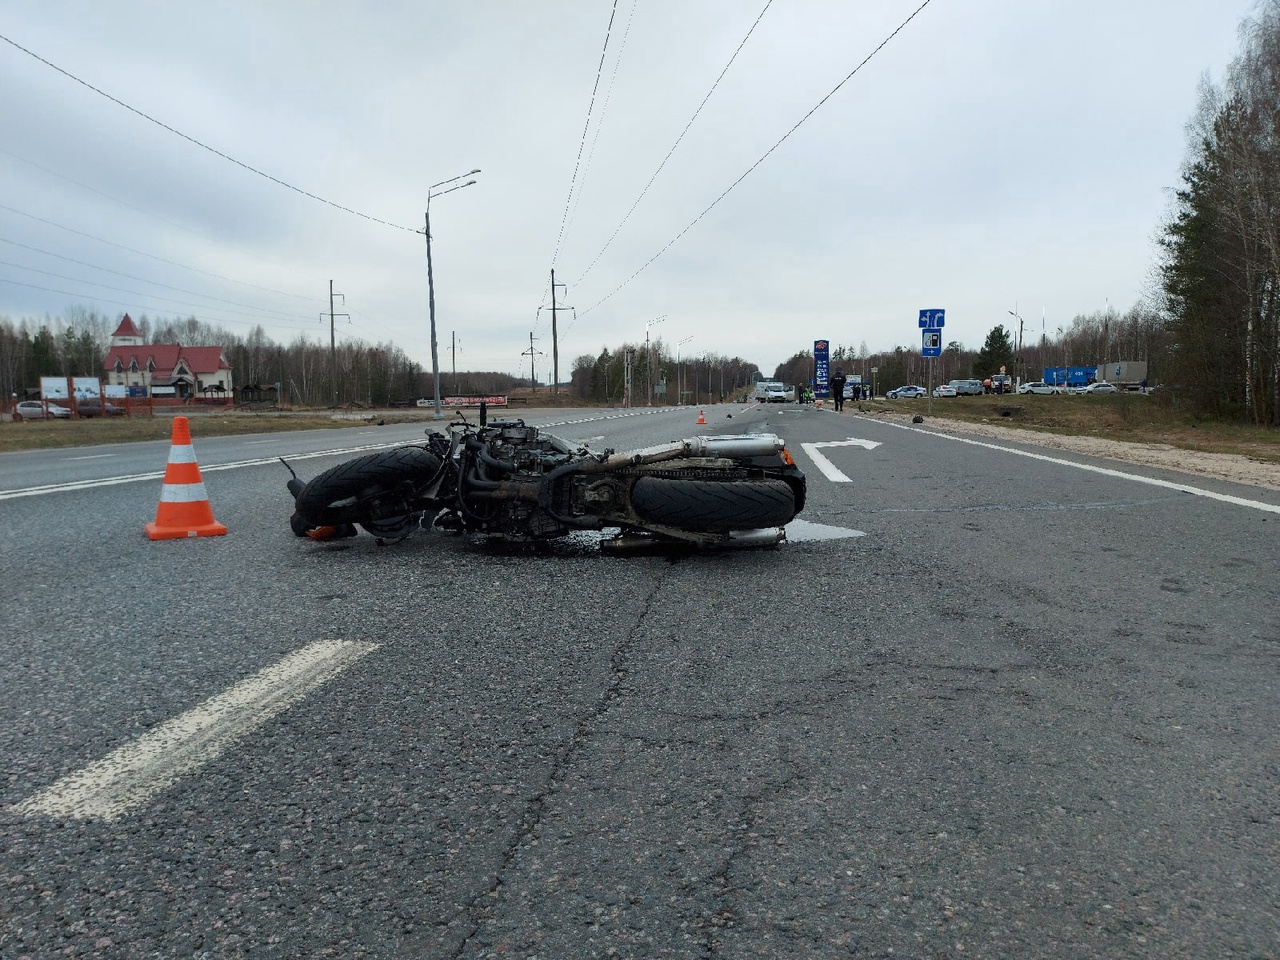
(128, 776)
(826, 466)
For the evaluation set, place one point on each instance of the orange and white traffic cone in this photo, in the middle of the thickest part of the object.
(184, 509)
(702, 419)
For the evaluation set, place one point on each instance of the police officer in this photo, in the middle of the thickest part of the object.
(837, 389)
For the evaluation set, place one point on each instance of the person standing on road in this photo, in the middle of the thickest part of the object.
(837, 390)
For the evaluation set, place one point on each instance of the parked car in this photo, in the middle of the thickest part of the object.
(968, 388)
(1100, 387)
(1038, 386)
(35, 410)
(910, 392)
(944, 390)
(97, 408)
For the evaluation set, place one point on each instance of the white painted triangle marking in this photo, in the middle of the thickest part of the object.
(828, 468)
(805, 531)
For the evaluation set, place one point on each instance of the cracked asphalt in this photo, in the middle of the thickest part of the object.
(1031, 713)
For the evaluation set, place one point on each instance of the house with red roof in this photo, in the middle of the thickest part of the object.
(165, 369)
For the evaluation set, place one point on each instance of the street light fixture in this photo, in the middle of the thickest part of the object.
(431, 286)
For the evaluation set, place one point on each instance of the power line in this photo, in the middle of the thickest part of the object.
(143, 253)
(129, 305)
(627, 215)
(585, 127)
(104, 286)
(204, 146)
(128, 276)
(617, 64)
(883, 43)
(124, 203)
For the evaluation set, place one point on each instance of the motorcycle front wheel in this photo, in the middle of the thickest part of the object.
(714, 506)
(343, 494)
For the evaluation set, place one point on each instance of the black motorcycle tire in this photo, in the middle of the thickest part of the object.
(714, 506)
(341, 494)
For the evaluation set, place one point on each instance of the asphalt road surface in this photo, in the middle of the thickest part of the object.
(987, 701)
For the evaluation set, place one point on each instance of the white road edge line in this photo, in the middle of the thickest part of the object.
(1105, 471)
(129, 775)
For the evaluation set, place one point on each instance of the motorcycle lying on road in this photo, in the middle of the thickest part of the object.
(511, 481)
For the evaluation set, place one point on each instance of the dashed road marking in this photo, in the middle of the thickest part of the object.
(127, 777)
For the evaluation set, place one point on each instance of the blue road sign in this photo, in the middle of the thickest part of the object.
(931, 343)
(932, 319)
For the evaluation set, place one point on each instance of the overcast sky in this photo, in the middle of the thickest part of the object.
(993, 156)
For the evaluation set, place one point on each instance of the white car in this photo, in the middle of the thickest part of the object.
(944, 390)
(1100, 387)
(35, 410)
(1038, 386)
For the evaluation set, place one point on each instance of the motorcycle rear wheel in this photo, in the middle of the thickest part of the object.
(714, 506)
(343, 493)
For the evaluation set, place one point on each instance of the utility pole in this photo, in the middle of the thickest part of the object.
(555, 335)
(453, 350)
(533, 377)
(333, 342)
(555, 340)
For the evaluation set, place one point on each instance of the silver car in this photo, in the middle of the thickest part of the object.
(1039, 386)
(35, 410)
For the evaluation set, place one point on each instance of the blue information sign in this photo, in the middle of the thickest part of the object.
(930, 343)
(932, 319)
(821, 368)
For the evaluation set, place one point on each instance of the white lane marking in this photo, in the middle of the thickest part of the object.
(828, 468)
(1105, 471)
(801, 531)
(134, 478)
(128, 776)
(96, 456)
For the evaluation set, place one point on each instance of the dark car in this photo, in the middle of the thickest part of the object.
(98, 408)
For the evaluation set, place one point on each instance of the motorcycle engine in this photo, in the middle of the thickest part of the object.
(532, 453)
(512, 512)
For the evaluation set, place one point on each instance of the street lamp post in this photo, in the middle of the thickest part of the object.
(431, 286)
(680, 371)
(648, 354)
(1014, 313)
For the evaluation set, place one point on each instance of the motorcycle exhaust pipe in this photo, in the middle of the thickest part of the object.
(731, 447)
(735, 447)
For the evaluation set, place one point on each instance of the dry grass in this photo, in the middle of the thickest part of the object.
(50, 434)
(1126, 417)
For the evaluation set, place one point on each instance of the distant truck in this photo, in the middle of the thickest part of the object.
(1125, 374)
(772, 391)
